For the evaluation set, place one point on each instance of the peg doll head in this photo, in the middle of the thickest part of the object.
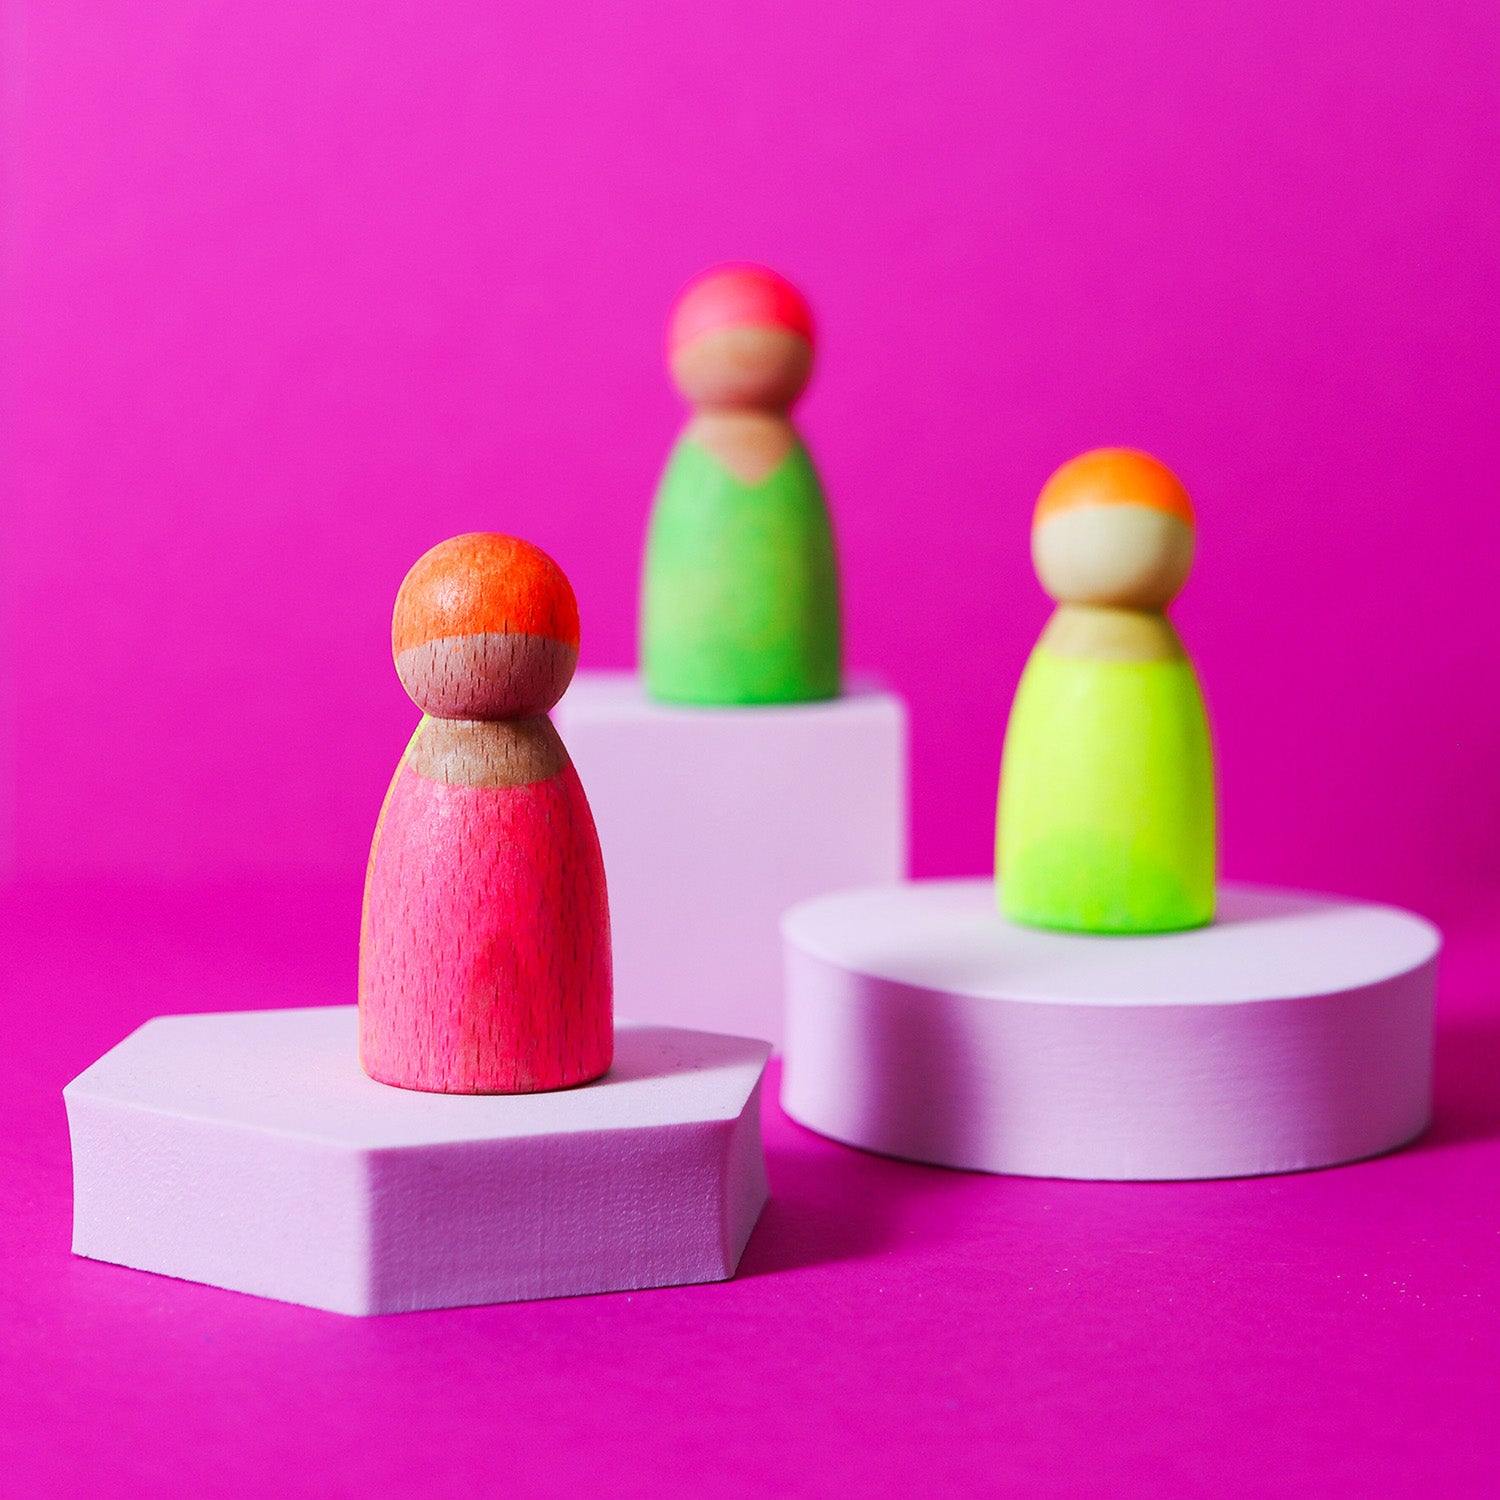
(486, 627)
(740, 336)
(1113, 527)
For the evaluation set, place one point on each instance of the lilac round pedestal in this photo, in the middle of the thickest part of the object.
(1294, 1032)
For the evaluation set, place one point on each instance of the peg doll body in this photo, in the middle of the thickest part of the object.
(484, 944)
(740, 600)
(1107, 819)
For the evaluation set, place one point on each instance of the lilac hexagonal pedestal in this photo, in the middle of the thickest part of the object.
(248, 1150)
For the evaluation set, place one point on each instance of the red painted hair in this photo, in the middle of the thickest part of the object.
(484, 583)
(737, 296)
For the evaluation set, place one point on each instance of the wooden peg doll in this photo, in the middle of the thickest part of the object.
(1106, 818)
(484, 944)
(740, 598)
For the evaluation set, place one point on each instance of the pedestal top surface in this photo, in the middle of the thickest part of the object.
(298, 1071)
(1266, 944)
(620, 695)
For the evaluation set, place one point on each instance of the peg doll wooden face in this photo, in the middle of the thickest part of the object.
(486, 627)
(1113, 528)
(740, 336)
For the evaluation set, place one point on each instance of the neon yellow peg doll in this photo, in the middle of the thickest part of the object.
(1107, 818)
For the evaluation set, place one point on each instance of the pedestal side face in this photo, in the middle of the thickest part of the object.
(1068, 1056)
(547, 1216)
(713, 821)
(249, 1151)
(213, 1201)
(749, 1189)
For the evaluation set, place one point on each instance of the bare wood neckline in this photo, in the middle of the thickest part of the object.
(751, 444)
(487, 752)
(1096, 632)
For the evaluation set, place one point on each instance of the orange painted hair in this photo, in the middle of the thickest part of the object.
(481, 584)
(1114, 476)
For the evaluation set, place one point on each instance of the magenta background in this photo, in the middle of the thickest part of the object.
(291, 291)
(294, 291)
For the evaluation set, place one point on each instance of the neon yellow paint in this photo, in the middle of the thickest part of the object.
(1106, 820)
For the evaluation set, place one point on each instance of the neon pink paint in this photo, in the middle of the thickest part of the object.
(485, 961)
(737, 296)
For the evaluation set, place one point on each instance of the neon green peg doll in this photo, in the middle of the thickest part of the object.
(740, 599)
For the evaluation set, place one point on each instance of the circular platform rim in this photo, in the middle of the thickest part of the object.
(798, 928)
(1151, 1090)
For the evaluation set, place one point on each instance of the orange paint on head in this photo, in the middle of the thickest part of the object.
(1114, 476)
(481, 584)
(737, 296)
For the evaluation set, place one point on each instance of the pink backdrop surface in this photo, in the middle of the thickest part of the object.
(292, 291)
(295, 291)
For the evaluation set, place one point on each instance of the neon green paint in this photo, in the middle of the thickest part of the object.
(1106, 819)
(740, 602)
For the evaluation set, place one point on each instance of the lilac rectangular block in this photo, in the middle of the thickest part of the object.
(714, 821)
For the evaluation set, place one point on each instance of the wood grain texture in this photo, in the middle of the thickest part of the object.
(484, 963)
(1106, 817)
(484, 950)
(476, 752)
(487, 675)
(483, 582)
